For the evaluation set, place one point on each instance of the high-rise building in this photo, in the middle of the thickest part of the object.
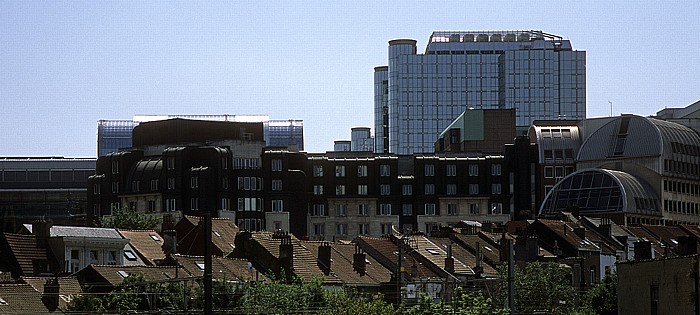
(113, 135)
(361, 139)
(418, 95)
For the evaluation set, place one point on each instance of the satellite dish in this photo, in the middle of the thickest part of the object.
(250, 267)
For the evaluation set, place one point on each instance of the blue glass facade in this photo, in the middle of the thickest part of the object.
(536, 73)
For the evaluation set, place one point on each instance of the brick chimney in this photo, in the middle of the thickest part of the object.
(286, 256)
(359, 263)
(449, 261)
(580, 231)
(42, 230)
(50, 295)
(324, 258)
(169, 235)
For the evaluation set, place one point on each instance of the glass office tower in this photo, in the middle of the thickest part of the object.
(113, 135)
(418, 95)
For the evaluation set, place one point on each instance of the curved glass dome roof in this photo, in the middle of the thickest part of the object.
(601, 191)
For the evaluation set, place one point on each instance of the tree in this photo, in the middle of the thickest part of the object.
(602, 299)
(342, 303)
(540, 287)
(128, 219)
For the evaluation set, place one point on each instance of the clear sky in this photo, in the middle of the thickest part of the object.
(66, 64)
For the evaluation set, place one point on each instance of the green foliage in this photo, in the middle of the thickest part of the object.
(129, 219)
(226, 294)
(341, 303)
(540, 287)
(278, 296)
(470, 303)
(602, 299)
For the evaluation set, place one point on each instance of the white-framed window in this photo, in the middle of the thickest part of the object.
(170, 204)
(362, 190)
(341, 229)
(496, 189)
(339, 190)
(276, 184)
(429, 209)
(473, 189)
(171, 183)
(547, 188)
(151, 206)
(170, 163)
(384, 170)
(386, 228)
(363, 228)
(320, 229)
(194, 182)
(495, 169)
(96, 189)
(340, 171)
(473, 169)
(385, 209)
(362, 210)
(451, 170)
(362, 171)
(429, 170)
(115, 187)
(549, 172)
(115, 167)
(496, 208)
(225, 204)
(407, 209)
(136, 185)
(384, 189)
(276, 165)
(341, 210)
(224, 183)
(318, 189)
(224, 163)
(249, 204)
(473, 208)
(194, 204)
(559, 172)
(407, 190)
(318, 170)
(277, 205)
(452, 209)
(451, 189)
(154, 184)
(319, 210)
(429, 189)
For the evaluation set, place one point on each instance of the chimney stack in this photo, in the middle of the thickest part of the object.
(580, 231)
(643, 250)
(42, 230)
(324, 258)
(449, 261)
(51, 294)
(359, 263)
(169, 235)
(286, 256)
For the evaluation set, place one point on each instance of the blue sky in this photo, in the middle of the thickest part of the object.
(66, 64)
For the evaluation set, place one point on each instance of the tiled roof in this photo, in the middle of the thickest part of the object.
(463, 255)
(114, 275)
(342, 265)
(147, 243)
(222, 268)
(387, 255)
(80, 231)
(223, 234)
(436, 253)
(68, 287)
(640, 232)
(25, 251)
(565, 231)
(20, 299)
(490, 252)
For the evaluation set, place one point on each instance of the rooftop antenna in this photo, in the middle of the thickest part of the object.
(611, 108)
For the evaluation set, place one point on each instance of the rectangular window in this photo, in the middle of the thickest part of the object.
(277, 205)
(194, 182)
(93, 256)
(151, 206)
(451, 170)
(451, 189)
(429, 189)
(319, 229)
(386, 228)
(171, 162)
(429, 209)
(473, 189)
(340, 171)
(339, 190)
(115, 187)
(495, 169)
(96, 189)
(249, 204)
(473, 208)
(362, 189)
(318, 189)
(496, 208)
(384, 170)
(549, 172)
(319, 210)
(362, 171)
(170, 204)
(363, 210)
(452, 209)
(429, 170)
(407, 190)
(224, 163)
(115, 167)
(225, 204)
(135, 185)
(318, 170)
(407, 209)
(385, 209)
(473, 170)
(559, 172)
(276, 184)
(363, 228)
(276, 165)
(154, 184)
(224, 183)
(496, 189)
(384, 190)
(341, 210)
(132, 205)
(194, 204)
(341, 229)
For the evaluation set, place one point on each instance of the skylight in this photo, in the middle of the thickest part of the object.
(488, 248)
(200, 265)
(2, 301)
(432, 251)
(154, 237)
(217, 234)
(129, 255)
(123, 273)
